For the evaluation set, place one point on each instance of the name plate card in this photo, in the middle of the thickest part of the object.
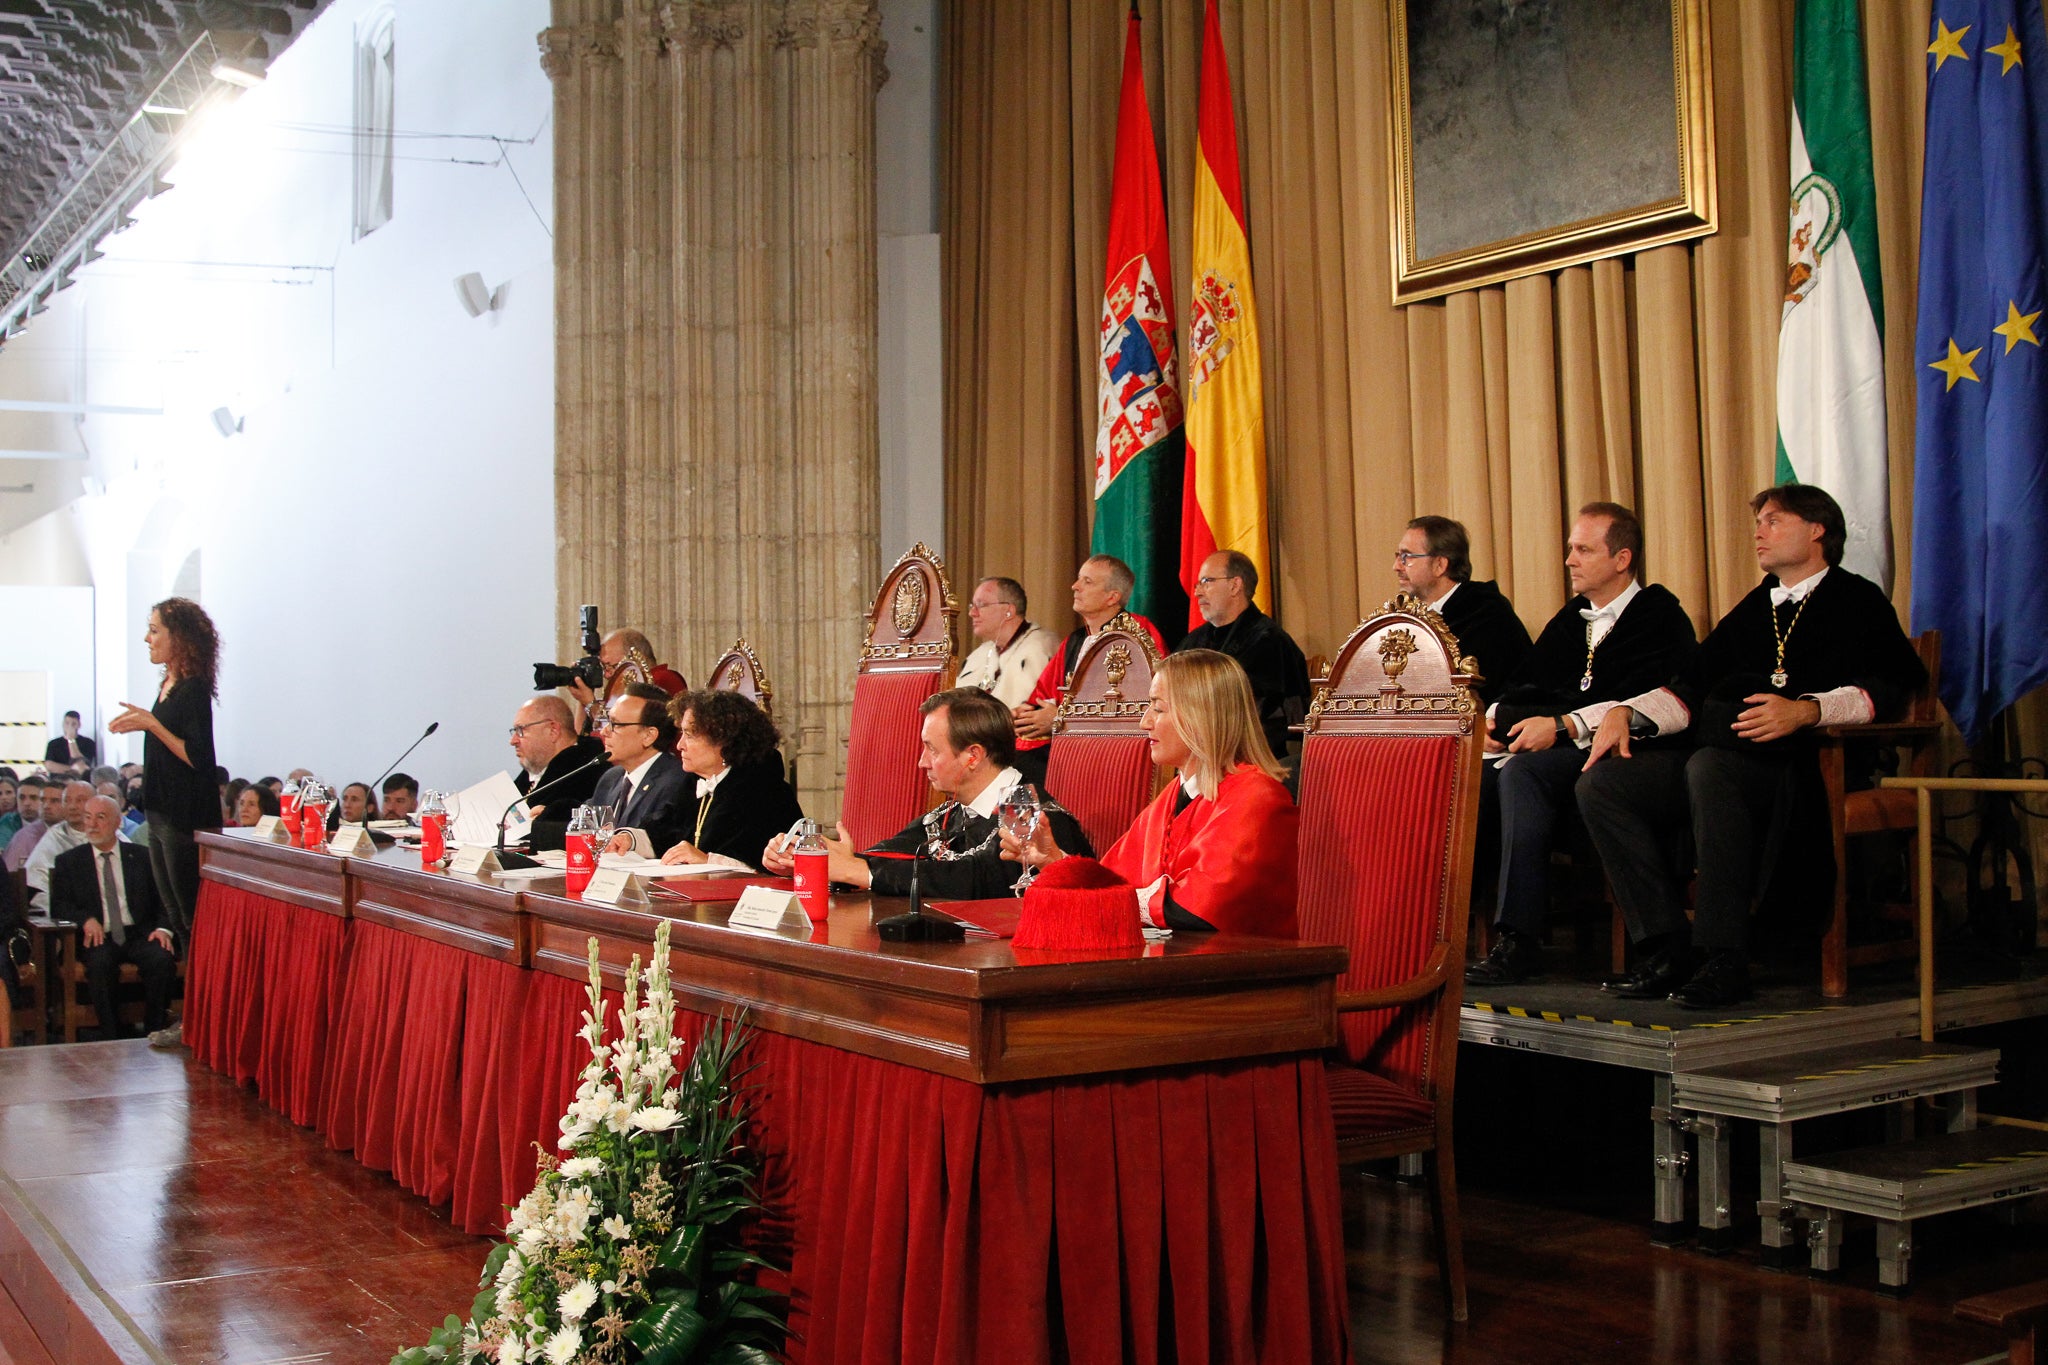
(352, 841)
(764, 907)
(270, 830)
(615, 886)
(474, 860)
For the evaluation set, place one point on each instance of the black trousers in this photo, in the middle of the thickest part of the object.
(1640, 812)
(174, 864)
(159, 970)
(1534, 794)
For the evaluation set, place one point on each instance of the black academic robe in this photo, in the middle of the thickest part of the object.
(1650, 642)
(1489, 631)
(982, 875)
(1273, 662)
(661, 807)
(750, 805)
(552, 823)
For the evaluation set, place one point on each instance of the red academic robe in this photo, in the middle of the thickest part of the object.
(1229, 861)
(1052, 679)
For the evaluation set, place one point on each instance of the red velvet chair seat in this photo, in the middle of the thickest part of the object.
(1366, 1105)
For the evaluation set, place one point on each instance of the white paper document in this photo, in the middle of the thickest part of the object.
(473, 813)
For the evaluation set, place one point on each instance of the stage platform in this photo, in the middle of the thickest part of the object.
(154, 1212)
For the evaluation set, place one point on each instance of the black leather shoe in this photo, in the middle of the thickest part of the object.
(1515, 958)
(1653, 978)
(1721, 981)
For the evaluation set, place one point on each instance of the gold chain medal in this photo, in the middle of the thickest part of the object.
(1779, 677)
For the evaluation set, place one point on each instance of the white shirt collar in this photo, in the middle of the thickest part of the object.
(1613, 610)
(1191, 785)
(638, 775)
(1798, 592)
(1438, 605)
(1000, 786)
(706, 785)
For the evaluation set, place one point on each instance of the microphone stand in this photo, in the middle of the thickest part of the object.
(507, 859)
(914, 925)
(402, 757)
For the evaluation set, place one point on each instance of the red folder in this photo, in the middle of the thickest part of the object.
(998, 917)
(716, 888)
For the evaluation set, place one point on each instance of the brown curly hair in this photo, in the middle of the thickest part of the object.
(195, 644)
(740, 729)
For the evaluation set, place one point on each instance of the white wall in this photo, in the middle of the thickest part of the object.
(49, 631)
(377, 544)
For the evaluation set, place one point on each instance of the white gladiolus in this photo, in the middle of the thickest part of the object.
(618, 1229)
(577, 1300)
(533, 1239)
(657, 1120)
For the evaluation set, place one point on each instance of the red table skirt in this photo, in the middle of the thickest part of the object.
(1186, 1214)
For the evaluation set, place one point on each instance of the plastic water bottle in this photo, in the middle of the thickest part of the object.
(288, 808)
(580, 843)
(433, 829)
(813, 871)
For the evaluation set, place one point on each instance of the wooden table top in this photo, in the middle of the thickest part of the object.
(981, 1010)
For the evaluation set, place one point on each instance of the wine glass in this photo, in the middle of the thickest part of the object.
(1020, 812)
(606, 819)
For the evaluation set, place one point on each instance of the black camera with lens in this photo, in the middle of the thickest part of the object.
(589, 670)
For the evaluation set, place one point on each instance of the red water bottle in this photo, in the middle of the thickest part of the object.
(580, 844)
(288, 809)
(313, 825)
(813, 872)
(433, 830)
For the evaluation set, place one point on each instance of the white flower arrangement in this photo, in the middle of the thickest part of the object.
(625, 1250)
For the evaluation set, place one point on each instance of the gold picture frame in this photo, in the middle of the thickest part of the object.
(1527, 109)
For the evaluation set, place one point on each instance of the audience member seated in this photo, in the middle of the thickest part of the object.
(1216, 849)
(10, 816)
(299, 775)
(257, 801)
(70, 752)
(107, 886)
(553, 756)
(104, 775)
(1013, 651)
(356, 807)
(15, 945)
(1616, 637)
(740, 795)
(1101, 588)
(1434, 564)
(969, 745)
(231, 799)
(276, 784)
(1813, 644)
(64, 834)
(29, 800)
(133, 818)
(646, 786)
(401, 797)
(1233, 624)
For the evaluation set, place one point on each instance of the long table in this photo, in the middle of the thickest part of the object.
(969, 1151)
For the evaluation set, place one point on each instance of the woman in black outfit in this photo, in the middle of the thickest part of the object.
(179, 797)
(742, 798)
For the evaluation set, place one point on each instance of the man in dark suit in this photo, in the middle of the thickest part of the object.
(72, 752)
(646, 786)
(1233, 624)
(551, 754)
(106, 886)
(1616, 637)
(1433, 564)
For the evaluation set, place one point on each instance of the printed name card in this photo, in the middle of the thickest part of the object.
(475, 859)
(615, 886)
(764, 907)
(352, 841)
(270, 830)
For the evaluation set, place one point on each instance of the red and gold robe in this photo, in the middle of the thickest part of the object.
(1229, 861)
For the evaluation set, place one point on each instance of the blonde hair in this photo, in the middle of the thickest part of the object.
(1217, 717)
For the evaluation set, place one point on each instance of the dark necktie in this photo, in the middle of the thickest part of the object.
(110, 897)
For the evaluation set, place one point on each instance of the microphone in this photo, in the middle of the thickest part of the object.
(914, 925)
(518, 859)
(402, 757)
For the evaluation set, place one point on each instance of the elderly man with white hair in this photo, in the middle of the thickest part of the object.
(106, 886)
(66, 832)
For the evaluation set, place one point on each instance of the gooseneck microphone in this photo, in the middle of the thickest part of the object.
(518, 859)
(378, 784)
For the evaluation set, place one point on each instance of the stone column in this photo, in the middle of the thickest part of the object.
(716, 456)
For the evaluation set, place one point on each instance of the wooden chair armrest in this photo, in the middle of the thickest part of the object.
(2019, 1306)
(1882, 730)
(1435, 974)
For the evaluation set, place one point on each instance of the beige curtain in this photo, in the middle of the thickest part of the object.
(1649, 379)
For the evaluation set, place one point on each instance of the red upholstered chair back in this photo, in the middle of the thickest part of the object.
(739, 670)
(908, 656)
(1100, 767)
(1389, 806)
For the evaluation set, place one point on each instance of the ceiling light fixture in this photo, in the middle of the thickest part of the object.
(235, 73)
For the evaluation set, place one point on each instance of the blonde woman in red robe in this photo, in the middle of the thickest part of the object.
(1215, 849)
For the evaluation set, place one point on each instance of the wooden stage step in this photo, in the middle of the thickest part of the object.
(153, 1211)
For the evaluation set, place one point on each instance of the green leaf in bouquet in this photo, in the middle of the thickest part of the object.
(741, 1353)
(731, 1259)
(681, 1258)
(668, 1333)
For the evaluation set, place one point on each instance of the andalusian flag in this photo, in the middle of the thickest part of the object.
(1223, 505)
(1138, 437)
(1831, 428)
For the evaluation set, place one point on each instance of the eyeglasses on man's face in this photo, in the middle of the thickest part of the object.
(519, 731)
(1406, 557)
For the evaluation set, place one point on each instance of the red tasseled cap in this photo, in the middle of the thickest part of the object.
(1077, 903)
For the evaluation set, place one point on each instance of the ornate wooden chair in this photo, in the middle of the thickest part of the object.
(908, 656)
(739, 670)
(1389, 809)
(1875, 811)
(1101, 767)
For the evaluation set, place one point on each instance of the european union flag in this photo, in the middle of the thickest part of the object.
(1980, 501)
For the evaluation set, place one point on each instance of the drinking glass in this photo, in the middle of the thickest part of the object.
(1020, 812)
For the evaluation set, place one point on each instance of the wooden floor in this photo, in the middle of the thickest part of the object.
(153, 1204)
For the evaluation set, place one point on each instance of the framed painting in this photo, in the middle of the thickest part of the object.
(1532, 134)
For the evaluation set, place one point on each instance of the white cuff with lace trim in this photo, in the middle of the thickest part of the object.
(1661, 708)
(1843, 706)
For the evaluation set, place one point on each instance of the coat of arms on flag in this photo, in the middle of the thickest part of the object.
(1140, 403)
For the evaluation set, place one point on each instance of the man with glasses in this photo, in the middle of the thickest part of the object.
(1101, 589)
(553, 756)
(646, 786)
(1433, 563)
(1233, 624)
(1012, 652)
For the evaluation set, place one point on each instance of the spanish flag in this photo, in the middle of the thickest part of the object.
(1223, 497)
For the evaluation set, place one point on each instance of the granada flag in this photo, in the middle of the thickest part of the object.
(1223, 501)
(1138, 434)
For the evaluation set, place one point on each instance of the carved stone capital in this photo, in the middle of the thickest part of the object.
(704, 25)
(843, 23)
(565, 47)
